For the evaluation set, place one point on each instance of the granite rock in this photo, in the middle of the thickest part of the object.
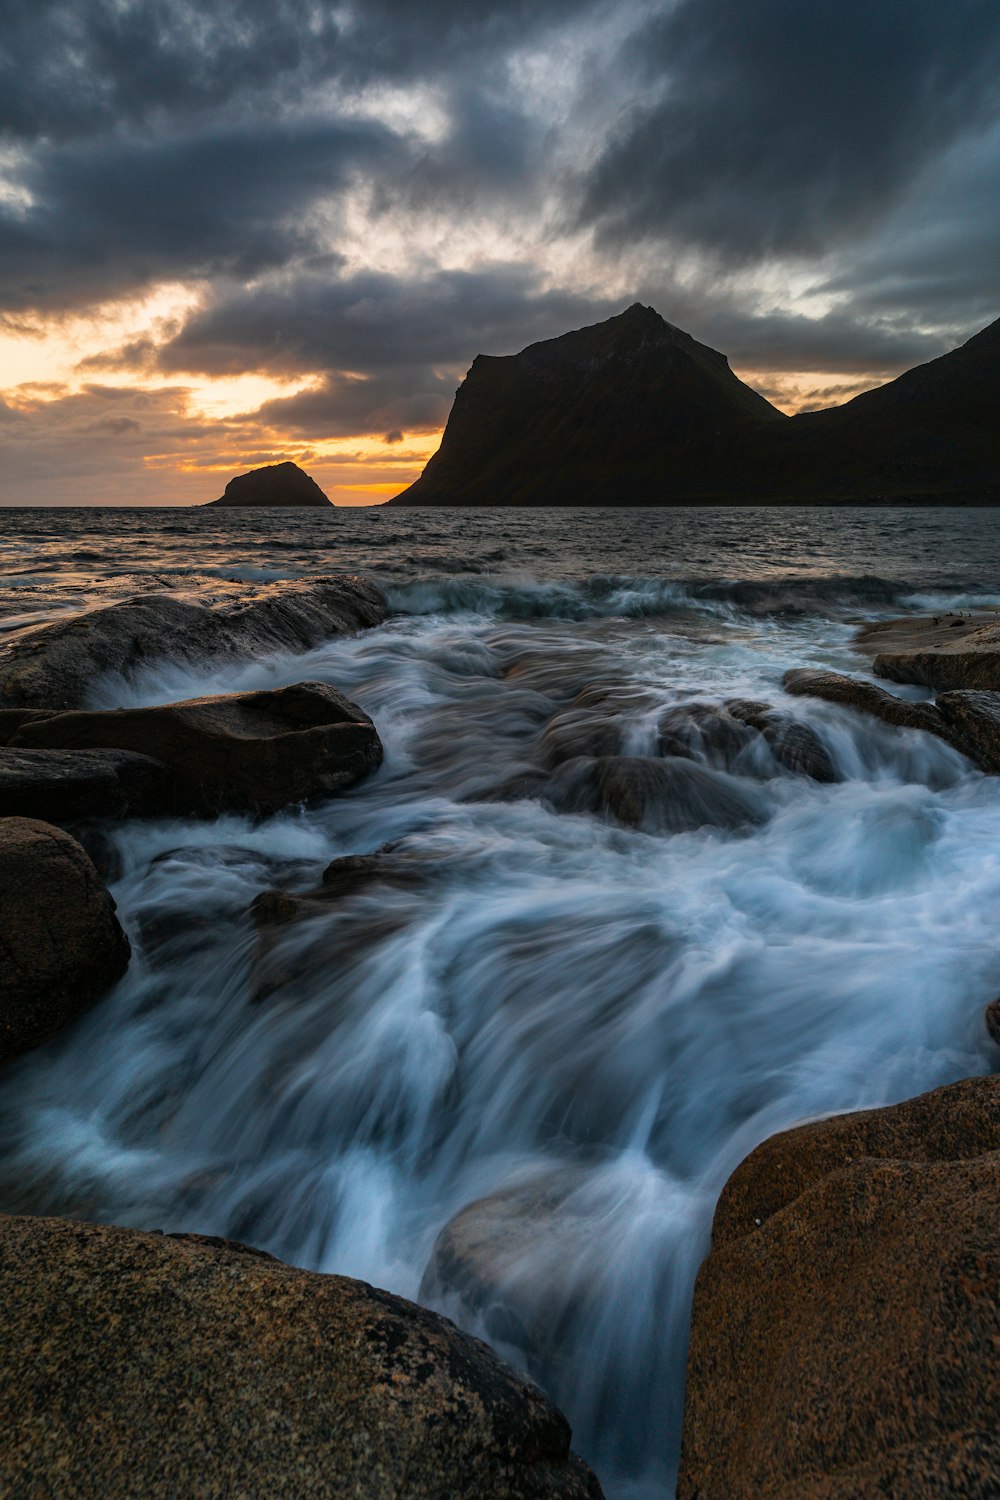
(846, 1324)
(164, 1366)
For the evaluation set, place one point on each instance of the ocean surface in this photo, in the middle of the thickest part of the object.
(594, 1022)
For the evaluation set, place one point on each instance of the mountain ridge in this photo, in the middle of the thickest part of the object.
(635, 411)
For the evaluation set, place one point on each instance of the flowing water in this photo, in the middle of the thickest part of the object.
(594, 1022)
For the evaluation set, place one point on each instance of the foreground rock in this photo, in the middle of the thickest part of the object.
(968, 721)
(61, 945)
(656, 795)
(938, 651)
(275, 484)
(56, 665)
(846, 1324)
(163, 1366)
(69, 787)
(253, 752)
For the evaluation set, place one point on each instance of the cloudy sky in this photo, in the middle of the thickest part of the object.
(264, 229)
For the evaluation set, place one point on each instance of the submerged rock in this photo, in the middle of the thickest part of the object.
(68, 787)
(665, 795)
(169, 1365)
(56, 665)
(252, 752)
(61, 945)
(846, 1322)
(275, 484)
(795, 746)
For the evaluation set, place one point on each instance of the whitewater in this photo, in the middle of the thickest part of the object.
(594, 1022)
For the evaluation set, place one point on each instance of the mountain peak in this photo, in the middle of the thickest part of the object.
(283, 484)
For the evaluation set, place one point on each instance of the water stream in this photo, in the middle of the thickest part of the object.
(594, 1022)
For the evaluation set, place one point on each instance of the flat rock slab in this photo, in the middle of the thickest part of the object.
(61, 945)
(936, 651)
(846, 1323)
(69, 787)
(161, 1366)
(56, 665)
(253, 752)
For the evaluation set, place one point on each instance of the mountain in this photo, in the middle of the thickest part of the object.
(627, 411)
(276, 484)
(633, 411)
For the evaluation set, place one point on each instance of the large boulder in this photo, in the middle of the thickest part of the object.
(61, 945)
(56, 665)
(143, 1364)
(252, 752)
(973, 724)
(796, 747)
(69, 787)
(846, 1323)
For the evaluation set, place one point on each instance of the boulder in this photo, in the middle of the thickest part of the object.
(61, 945)
(704, 732)
(68, 787)
(252, 752)
(56, 665)
(973, 725)
(275, 484)
(846, 1322)
(162, 1365)
(666, 795)
(795, 746)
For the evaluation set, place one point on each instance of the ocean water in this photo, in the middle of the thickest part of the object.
(593, 1022)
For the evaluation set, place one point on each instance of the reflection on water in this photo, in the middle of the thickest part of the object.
(582, 1023)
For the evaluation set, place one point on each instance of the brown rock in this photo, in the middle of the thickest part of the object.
(56, 665)
(846, 1324)
(973, 721)
(942, 651)
(668, 795)
(68, 787)
(140, 1364)
(794, 745)
(61, 945)
(245, 751)
(852, 692)
(992, 1018)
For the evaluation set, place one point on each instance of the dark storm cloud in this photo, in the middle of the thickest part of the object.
(71, 67)
(411, 340)
(784, 127)
(111, 216)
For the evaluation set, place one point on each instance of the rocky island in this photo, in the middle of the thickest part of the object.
(275, 484)
(634, 411)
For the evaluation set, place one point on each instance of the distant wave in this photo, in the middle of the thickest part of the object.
(629, 597)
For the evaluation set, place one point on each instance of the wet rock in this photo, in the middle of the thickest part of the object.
(941, 651)
(846, 1322)
(794, 745)
(852, 692)
(161, 1366)
(704, 732)
(56, 665)
(252, 752)
(992, 1018)
(67, 787)
(594, 724)
(61, 945)
(667, 795)
(973, 724)
(503, 1258)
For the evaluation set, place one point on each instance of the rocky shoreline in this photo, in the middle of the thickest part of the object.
(849, 1258)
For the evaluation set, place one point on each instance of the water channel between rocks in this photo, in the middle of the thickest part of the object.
(586, 1023)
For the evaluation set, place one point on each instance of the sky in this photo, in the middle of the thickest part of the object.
(257, 230)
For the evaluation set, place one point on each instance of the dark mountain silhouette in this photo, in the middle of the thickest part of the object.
(277, 484)
(626, 411)
(633, 411)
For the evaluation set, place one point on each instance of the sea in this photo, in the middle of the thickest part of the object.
(587, 1026)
